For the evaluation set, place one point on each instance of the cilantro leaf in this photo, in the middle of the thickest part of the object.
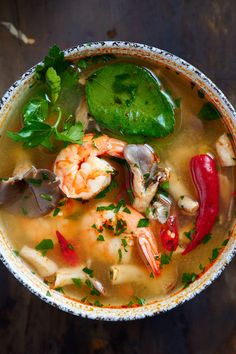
(209, 112)
(54, 59)
(32, 134)
(54, 83)
(44, 246)
(188, 278)
(143, 222)
(35, 110)
(73, 134)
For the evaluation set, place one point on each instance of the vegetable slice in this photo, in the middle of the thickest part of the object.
(127, 98)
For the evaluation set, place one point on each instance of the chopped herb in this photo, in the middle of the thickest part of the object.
(56, 211)
(151, 275)
(46, 196)
(120, 204)
(140, 301)
(209, 112)
(70, 246)
(35, 182)
(88, 271)
(224, 243)
(201, 267)
(60, 289)
(93, 291)
(100, 238)
(16, 253)
(120, 227)
(201, 94)
(62, 203)
(77, 282)
(94, 226)
(108, 189)
(130, 304)
(108, 227)
(48, 293)
(109, 207)
(206, 239)
(164, 188)
(44, 246)
(126, 210)
(143, 222)
(130, 195)
(188, 278)
(45, 176)
(165, 258)
(124, 244)
(215, 254)
(94, 145)
(189, 234)
(84, 299)
(120, 255)
(97, 303)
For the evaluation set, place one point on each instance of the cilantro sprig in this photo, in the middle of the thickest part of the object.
(36, 132)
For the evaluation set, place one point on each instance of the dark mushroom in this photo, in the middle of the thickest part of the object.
(34, 194)
(146, 175)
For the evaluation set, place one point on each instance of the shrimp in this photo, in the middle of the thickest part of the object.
(81, 172)
(124, 225)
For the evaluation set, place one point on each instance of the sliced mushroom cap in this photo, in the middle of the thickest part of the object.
(34, 194)
(146, 174)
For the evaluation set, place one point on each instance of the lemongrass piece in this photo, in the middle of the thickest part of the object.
(17, 33)
(126, 273)
(188, 205)
(225, 151)
(64, 276)
(43, 265)
(181, 193)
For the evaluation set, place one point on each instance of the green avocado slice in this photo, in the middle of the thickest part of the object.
(128, 99)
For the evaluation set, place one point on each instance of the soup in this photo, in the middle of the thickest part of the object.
(117, 180)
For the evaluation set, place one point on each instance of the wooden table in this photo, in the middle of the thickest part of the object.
(202, 32)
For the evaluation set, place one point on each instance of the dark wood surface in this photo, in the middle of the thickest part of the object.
(202, 32)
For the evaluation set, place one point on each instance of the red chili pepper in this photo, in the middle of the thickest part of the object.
(69, 254)
(206, 180)
(170, 235)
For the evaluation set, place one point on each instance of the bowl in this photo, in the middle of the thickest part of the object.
(17, 267)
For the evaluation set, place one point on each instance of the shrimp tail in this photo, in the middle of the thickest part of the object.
(149, 254)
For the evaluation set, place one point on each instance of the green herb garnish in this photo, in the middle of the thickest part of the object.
(88, 271)
(93, 291)
(206, 238)
(120, 227)
(45, 196)
(120, 255)
(109, 207)
(100, 238)
(77, 282)
(108, 189)
(56, 211)
(143, 222)
(188, 278)
(44, 246)
(209, 112)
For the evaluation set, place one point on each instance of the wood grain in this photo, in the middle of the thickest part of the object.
(202, 32)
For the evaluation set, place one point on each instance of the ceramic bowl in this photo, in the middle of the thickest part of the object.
(17, 267)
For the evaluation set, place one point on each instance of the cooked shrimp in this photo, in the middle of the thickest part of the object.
(81, 172)
(125, 225)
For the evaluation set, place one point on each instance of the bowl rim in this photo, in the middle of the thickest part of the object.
(14, 265)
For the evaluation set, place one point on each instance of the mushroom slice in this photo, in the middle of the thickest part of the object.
(146, 175)
(225, 151)
(43, 265)
(34, 194)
